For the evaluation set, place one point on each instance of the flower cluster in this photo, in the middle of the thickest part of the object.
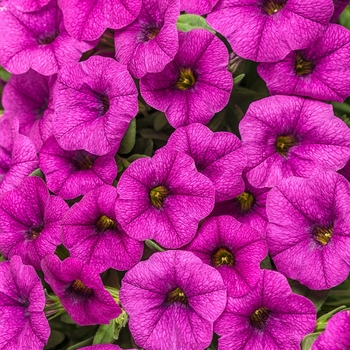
(145, 186)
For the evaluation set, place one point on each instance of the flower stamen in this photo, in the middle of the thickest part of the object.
(245, 202)
(186, 79)
(78, 288)
(259, 317)
(104, 223)
(323, 235)
(222, 257)
(273, 6)
(302, 66)
(158, 196)
(177, 295)
(284, 143)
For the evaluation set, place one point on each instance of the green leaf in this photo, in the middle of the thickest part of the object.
(322, 321)
(104, 334)
(119, 323)
(128, 140)
(266, 263)
(318, 297)
(143, 146)
(309, 340)
(136, 156)
(149, 133)
(65, 318)
(153, 245)
(238, 79)
(38, 173)
(187, 22)
(83, 343)
(4, 75)
(56, 338)
(160, 121)
(344, 18)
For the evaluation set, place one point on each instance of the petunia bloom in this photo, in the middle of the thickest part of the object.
(234, 249)
(286, 136)
(102, 347)
(199, 7)
(23, 324)
(163, 198)
(269, 317)
(30, 221)
(87, 20)
(29, 5)
(267, 30)
(91, 233)
(320, 71)
(218, 156)
(70, 174)
(80, 290)
(195, 85)
(336, 335)
(36, 40)
(94, 102)
(308, 234)
(172, 300)
(18, 156)
(149, 43)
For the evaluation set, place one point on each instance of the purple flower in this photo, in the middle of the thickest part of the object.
(94, 102)
(91, 233)
(17, 155)
(29, 5)
(80, 290)
(269, 317)
(30, 221)
(195, 85)
(234, 249)
(339, 6)
(218, 156)
(87, 20)
(70, 174)
(36, 40)
(284, 136)
(320, 71)
(308, 234)
(199, 7)
(27, 97)
(249, 207)
(172, 300)
(23, 324)
(336, 335)
(163, 198)
(346, 170)
(151, 41)
(267, 30)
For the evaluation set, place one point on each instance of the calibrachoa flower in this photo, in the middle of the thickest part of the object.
(336, 335)
(267, 30)
(94, 102)
(234, 249)
(88, 20)
(249, 207)
(320, 71)
(195, 85)
(23, 324)
(70, 174)
(80, 290)
(17, 155)
(172, 300)
(284, 136)
(308, 234)
(199, 7)
(29, 5)
(36, 40)
(30, 221)
(219, 156)
(102, 347)
(91, 233)
(27, 97)
(163, 198)
(270, 317)
(149, 43)
(345, 171)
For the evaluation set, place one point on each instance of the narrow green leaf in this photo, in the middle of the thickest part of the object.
(266, 263)
(153, 245)
(4, 75)
(56, 338)
(322, 321)
(187, 22)
(136, 156)
(149, 133)
(128, 140)
(309, 340)
(83, 343)
(119, 323)
(104, 334)
(160, 122)
(238, 79)
(65, 318)
(38, 173)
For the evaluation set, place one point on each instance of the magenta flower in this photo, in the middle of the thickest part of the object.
(163, 198)
(270, 317)
(320, 71)
(249, 207)
(18, 156)
(91, 233)
(234, 249)
(27, 97)
(70, 174)
(218, 156)
(102, 347)
(88, 20)
(284, 136)
(94, 102)
(80, 290)
(36, 40)
(267, 30)
(172, 300)
(29, 5)
(23, 324)
(149, 43)
(336, 335)
(346, 170)
(195, 85)
(308, 234)
(30, 221)
(199, 7)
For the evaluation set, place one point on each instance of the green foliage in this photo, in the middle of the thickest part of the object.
(344, 18)
(129, 138)
(187, 22)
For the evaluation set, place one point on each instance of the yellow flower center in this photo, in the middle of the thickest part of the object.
(177, 295)
(259, 317)
(273, 6)
(284, 143)
(158, 196)
(323, 235)
(222, 257)
(186, 79)
(245, 201)
(104, 223)
(79, 288)
(302, 66)
(34, 232)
